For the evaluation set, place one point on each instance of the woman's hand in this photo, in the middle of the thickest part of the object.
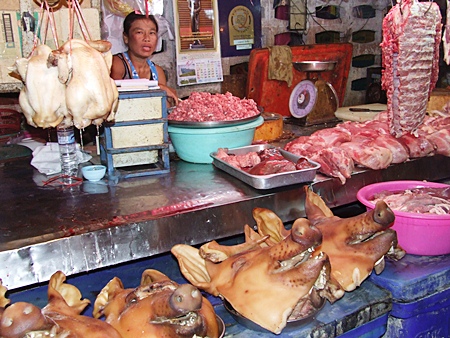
(171, 94)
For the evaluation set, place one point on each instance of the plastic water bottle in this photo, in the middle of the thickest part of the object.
(67, 151)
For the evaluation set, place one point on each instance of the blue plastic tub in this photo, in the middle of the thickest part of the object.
(420, 287)
(428, 317)
(196, 144)
(373, 329)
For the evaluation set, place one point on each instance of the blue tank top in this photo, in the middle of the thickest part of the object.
(134, 74)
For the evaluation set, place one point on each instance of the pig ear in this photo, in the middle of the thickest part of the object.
(315, 207)
(216, 253)
(192, 266)
(3, 300)
(65, 295)
(114, 285)
(250, 234)
(151, 276)
(270, 224)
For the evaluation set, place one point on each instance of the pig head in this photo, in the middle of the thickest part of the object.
(159, 307)
(354, 245)
(59, 318)
(266, 284)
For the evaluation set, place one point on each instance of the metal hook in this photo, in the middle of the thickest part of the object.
(431, 4)
(50, 3)
(399, 3)
(55, 3)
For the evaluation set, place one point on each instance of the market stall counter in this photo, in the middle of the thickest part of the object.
(46, 228)
(363, 312)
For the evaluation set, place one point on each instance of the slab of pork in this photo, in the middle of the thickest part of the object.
(410, 56)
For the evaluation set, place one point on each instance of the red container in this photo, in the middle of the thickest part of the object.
(418, 234)
(274, 95)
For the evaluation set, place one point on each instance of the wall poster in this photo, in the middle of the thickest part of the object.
(239, 27)
(197, 42)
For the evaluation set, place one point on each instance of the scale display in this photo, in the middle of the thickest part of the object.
(303, 99)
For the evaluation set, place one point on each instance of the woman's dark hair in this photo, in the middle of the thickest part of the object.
(132, 17)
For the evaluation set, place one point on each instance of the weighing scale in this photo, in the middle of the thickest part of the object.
(274, 96)
(314, 100)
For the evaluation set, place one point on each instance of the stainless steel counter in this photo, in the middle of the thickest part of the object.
(44, 228)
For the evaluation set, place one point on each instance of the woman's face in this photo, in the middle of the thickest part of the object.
(142, 38)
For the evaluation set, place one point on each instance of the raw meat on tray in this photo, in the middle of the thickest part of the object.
(264, 162)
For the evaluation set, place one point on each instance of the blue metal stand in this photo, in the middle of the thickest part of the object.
(108, 149)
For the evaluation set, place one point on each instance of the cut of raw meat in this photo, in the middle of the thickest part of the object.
(370, 145)
(417, 146)
(264, 162)
(441, 140)
(206, 107)
(410, 56)
(372, 157)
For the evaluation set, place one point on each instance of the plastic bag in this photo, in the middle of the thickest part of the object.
(114, 12)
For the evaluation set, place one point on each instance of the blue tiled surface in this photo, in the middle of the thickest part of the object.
(360, 313)
(414, 277)
(420, 287)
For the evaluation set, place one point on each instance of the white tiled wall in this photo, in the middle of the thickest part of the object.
(346, 25)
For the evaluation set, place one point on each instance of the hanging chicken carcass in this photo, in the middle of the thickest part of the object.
(42, 97)
(410, 53)
(84, 66)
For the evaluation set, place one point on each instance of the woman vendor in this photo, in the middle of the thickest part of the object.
(140, 34)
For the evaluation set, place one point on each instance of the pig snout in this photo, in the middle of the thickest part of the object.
(186, 298)
(383, 215)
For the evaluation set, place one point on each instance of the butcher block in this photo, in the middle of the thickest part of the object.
(438, 99)
(360, 113)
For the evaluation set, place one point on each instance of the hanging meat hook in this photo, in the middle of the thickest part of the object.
(46, 10)
(399, 3)
(54, 3)
(51, 3)
(429, 7)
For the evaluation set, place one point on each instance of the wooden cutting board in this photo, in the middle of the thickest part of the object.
(345, 114)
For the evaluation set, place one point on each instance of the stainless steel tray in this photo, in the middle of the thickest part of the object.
(267, 181)
(291, 325)
(314, 66)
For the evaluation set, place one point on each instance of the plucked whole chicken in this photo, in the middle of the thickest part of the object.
(91, 95)
(42, 98)
(70, 85)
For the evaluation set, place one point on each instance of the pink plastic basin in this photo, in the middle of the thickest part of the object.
(418, 234)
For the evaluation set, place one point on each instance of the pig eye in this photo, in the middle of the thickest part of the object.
(179, 299)
(131, 298)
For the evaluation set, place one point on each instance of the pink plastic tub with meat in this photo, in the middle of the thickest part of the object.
(418, 234)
